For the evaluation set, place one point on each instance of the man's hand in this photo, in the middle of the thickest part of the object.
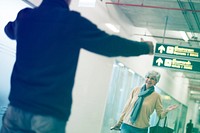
(151, 46)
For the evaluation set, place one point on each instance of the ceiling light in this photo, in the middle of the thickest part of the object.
(194, 92)
(190, 34)
(112, 27)
(86, 3)
(184, 36)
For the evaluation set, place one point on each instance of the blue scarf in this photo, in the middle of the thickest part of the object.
(138, 104)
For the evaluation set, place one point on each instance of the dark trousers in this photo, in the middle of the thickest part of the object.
(16, 120)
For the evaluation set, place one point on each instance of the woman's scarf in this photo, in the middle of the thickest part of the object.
(138, 104)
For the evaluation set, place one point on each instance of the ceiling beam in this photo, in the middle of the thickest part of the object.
(196, 18)
(148, 6)
(171, 38)
(194, 88)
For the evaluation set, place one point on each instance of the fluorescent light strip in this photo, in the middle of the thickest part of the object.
(112, 27)
(184, 36)
(87, 3)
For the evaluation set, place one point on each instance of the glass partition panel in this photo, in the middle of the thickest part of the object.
(122, 82)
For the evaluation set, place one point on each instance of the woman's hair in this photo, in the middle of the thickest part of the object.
(153, 74)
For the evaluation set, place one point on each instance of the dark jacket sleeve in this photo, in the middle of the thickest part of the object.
(95, 40)
(9, 30)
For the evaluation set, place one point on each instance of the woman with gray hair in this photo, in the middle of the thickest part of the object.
(140, 105)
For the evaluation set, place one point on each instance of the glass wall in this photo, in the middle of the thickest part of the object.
(122, 82)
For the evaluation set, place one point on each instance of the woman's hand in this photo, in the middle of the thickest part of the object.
(171, 107)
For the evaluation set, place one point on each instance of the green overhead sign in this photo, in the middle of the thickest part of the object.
(175, 63)
(177, 50)
(177, 57)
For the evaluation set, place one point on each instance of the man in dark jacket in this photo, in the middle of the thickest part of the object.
(49, 39)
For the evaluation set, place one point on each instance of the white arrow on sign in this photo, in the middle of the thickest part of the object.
(161, 48)
(159, 61)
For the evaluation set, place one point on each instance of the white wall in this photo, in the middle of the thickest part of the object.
(90, 93)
